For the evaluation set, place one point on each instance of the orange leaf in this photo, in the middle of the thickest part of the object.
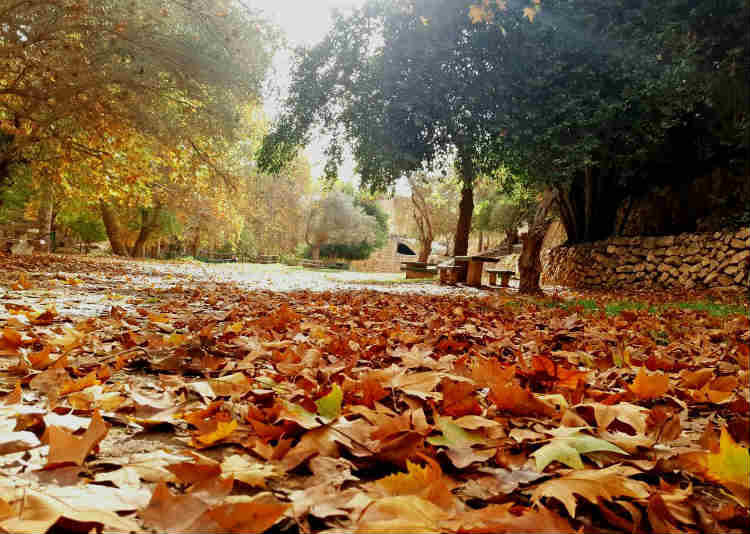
(427, 482)
(15, 396)
(519, 401)
(649, 386)
(459, 399)
(223, 429)
(65, 448)
(80, 384)
(248, 516)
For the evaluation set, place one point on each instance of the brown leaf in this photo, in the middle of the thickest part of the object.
(66, 448)
(649, 386)
(592, 484)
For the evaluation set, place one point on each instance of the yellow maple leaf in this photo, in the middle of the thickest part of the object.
(223, 429)
(730, 466)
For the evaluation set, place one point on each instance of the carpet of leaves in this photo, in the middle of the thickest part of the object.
(197, 406)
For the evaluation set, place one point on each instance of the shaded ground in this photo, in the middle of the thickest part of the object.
(181, 397)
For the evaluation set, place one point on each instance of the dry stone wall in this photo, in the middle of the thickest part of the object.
(717, 260)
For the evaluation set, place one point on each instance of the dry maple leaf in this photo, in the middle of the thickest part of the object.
(222, 431)
(592, 484)
(172, 513)
(246, 470)
(516, 400)
(79, 385)
(730, 466)
(247, 516)
(66, 448)
(39, 512)
(459, 399)
(508, 517)
(402, 513)
(427, 482)
(649, 385)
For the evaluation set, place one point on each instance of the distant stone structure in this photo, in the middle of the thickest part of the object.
(717, 260)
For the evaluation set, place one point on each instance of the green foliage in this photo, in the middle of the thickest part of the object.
(15, 194)
(403, 94)
(605, 98)
(88, 227)
(363, 249)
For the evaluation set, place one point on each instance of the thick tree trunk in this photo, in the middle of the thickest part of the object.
(149, 223)
(465, 212)
(425, 247)
(315, 252)
(530, 262)
(461, 243)
(113, 229)
(421, 215)
(139, 247)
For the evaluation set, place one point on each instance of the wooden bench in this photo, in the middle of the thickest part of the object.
(418, 269)
(504, 276)
(319, 264)
(264, 259)
(449, 273)
(476, 263)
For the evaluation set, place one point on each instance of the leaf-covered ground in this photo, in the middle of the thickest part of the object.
(144, 397)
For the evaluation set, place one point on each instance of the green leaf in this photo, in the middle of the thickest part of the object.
(568, 449)
(329, 406)
(454, 436)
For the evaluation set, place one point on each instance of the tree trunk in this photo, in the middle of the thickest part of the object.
(425, 247)
(481, 241)
(530, 262)
(196, 241)
(465, 212)
(315, 252)
(46, 208)
(149, 223)
(113, 229)
(421, 216)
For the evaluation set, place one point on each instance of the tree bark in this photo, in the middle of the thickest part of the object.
(149, 223)
(113, 229)
(530, 262)
(196, 240)
(46, 208)
(315, 252)
(465, 212)
(421, 215)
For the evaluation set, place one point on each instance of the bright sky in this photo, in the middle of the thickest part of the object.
(305, 22)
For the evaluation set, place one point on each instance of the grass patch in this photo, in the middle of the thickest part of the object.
(588, 306)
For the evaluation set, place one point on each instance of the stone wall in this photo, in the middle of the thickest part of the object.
(717, 260)
(384, 260)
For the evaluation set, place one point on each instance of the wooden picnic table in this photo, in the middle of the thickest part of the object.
(418, 269)
(476, 263)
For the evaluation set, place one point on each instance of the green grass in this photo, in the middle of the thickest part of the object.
(717, 309)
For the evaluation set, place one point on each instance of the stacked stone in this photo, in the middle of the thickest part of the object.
(718, 260)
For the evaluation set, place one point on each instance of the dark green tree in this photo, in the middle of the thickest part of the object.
(408, 86)
(604, 99)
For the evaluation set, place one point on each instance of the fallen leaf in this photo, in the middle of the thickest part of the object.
(649, 385)
(65, 448)
(592, 484)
